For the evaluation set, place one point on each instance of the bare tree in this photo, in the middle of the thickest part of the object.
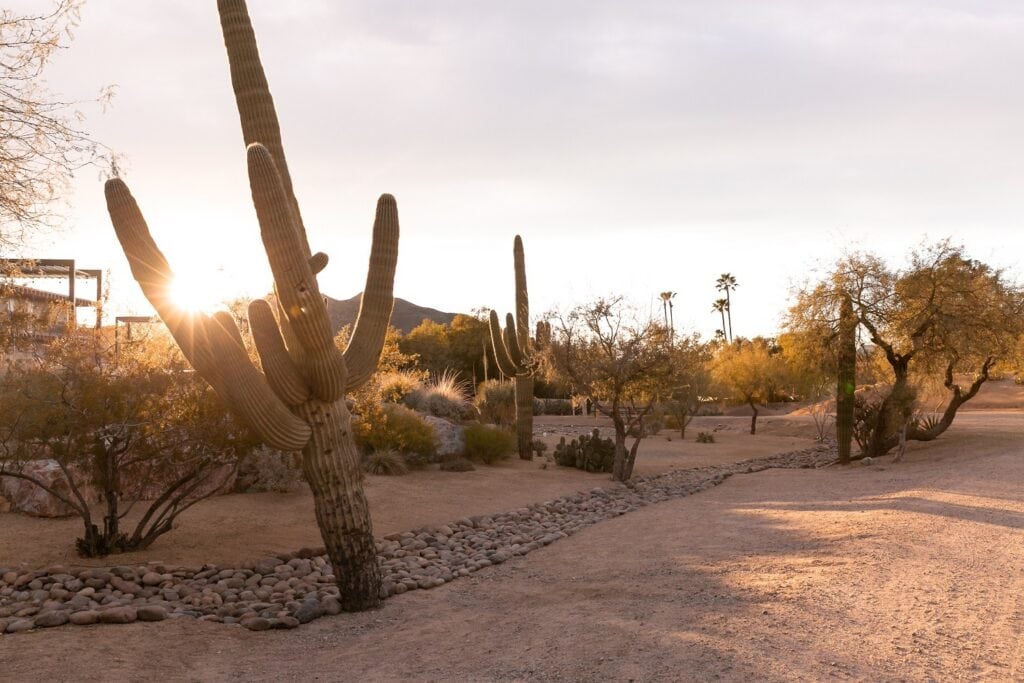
(41, 140)
(603, 350)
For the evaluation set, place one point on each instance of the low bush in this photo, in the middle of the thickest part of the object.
(488, 444)
(268, 470)
(393, 427)
(705, 437)
(457, 465)
(387, 463)
(392, 387)
(588, 453)
(496, 401)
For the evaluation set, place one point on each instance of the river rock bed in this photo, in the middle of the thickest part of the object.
(292, 589)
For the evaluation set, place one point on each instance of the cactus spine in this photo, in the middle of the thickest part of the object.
(846, 378)
(296, 401)
(514, 353)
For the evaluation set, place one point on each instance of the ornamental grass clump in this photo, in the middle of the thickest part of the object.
(446, 396)
(496, 401)
(386, 463)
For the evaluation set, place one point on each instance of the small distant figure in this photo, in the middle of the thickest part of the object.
(588, 406)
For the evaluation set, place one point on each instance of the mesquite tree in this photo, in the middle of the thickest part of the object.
(943, 316)
(515, 355)
(297, 401)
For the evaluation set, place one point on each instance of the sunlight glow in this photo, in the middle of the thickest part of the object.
(197, 294)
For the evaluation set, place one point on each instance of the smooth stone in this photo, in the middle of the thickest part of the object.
(84, 618)
(256, 623)
(19, 625)
(151, 613)
(118, 615)
(51, 619)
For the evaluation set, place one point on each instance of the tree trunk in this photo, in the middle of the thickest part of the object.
(332, 467)
(753, 418)
(524, 416)
(885, 435)
(846, 380)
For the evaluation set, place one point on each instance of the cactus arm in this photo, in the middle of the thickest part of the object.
(317, 262)
(522, 297)
(515, 353)
(236, 381)
(378, 299)
(500, 352)
(296, 285)
(148, 264)
(252, 95)
(282, 375)
(248, 392)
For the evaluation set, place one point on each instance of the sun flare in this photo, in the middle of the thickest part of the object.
(197, 295)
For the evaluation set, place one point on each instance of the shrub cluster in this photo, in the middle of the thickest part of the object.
(488, 444)
(705, 437)
(445, 397)
(393, 427)
(496, 401)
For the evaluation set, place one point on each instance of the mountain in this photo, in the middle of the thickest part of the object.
(405, 316)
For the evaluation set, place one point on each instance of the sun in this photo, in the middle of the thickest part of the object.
(197, 294)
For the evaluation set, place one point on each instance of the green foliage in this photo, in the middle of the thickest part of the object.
(457, 465)
(588, 453)
(496, 401)
(705, 437)
(488, 444)
(393, 427)
(538, 447)
(445, 396)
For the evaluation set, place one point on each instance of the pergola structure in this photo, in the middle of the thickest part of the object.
(20, 269)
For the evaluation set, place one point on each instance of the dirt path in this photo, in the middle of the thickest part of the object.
(905, 572)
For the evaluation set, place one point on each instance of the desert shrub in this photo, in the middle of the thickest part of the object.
(538, 447)
(393, 387)
(671, 422)
(496, 401)
(445, 396)
(705, 437)
(552, 406)
(488, 444)
(457, 465)
(393, 427)
(589, 453)
(387, 463)
(266, 469)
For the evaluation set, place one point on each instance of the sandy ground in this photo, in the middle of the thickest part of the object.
(912, 571)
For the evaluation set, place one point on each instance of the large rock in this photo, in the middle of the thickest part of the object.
(24, 496)
(451, 439)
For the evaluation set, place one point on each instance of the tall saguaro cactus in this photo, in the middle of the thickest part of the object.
(846, 378)
(296, 402)
(514, 353)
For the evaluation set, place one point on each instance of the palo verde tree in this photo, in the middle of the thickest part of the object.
(41, 141)
(690, 380)
(297, 401)
(623, 363)
(751, 371)
(135, 429)
(942, 316)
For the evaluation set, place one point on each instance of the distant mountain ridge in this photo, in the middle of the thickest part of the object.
(405, 316)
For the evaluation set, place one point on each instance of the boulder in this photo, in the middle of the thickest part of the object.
(451, 439)
(24, 496)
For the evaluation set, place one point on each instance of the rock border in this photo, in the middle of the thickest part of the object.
(290, 589)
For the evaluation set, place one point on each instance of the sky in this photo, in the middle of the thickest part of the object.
(637, 146)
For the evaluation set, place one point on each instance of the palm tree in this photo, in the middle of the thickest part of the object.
(726, 283)
(666, 306)
(721, 305)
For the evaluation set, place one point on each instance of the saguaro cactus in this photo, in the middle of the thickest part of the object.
(514, 352)
(846, 378)
(297, 401)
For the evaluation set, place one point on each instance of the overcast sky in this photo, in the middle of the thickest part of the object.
(636, 146)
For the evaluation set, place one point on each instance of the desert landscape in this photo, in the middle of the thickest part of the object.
(907, 571)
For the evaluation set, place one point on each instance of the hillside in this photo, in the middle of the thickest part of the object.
(405, 316)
